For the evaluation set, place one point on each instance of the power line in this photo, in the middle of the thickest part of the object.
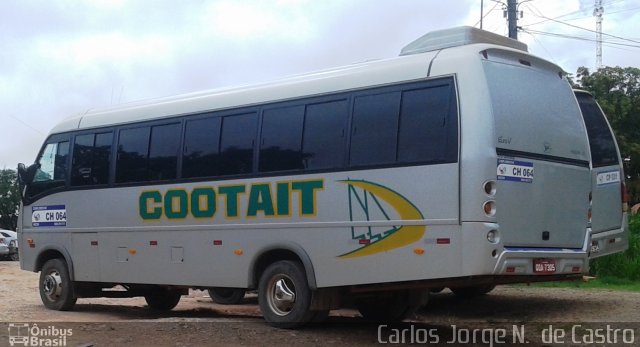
(577, 12)
(565, 36)
(486, 14)
(593, 31)
(25, 124)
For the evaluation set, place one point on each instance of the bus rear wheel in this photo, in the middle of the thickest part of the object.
(162, 299)
(284, 296)
(226, 296)
(57, 291)
(391, 307)
(472, 292)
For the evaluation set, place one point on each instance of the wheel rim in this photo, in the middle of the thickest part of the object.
(52, 285)
(281, 295)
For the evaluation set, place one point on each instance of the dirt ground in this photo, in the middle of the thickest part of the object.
(447, 320)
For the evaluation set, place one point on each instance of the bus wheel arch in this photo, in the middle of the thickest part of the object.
(54, 253)
(271, 255)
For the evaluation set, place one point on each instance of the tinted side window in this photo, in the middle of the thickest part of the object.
(324, 131)
(281, 139)
(163, 153)
(603, 147)
(236, 144)
(426, 127)
(91, 153)
(202, 148)
(375, 129)
(133, 147)
(102, 158)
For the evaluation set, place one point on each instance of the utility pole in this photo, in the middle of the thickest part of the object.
(598, 11)
(481, 13)
(512, 18)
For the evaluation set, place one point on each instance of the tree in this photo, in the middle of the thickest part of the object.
(9, 199)
(617, 90)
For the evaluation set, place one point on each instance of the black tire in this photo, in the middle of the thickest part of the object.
(391, 307)
(472, 292)
(14, 256)
(226, 296)
(320, 316)
(162, 299)
(284, 295)
(57, 291)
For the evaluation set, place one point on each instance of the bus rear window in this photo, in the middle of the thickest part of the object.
(603, 147)
(535, 112)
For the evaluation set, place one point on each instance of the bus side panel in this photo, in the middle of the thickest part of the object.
(351, 214)
(85, 255)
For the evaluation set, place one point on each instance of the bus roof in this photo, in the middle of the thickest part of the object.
(409, 66)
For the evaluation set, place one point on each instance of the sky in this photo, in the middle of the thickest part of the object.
(59, 58)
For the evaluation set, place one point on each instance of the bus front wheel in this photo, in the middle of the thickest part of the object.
(56, 288)
(472, 292)
(391, 307)
(284, 296)
(162, 299)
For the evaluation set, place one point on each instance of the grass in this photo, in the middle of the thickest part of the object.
(624, 265)
(620, 271)
(612, 283)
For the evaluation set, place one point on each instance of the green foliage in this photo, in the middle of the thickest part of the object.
(9, 199)
(622, 265)
(617, 90)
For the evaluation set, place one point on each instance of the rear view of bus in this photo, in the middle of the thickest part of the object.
(525, 167)
(543, 173)
(609, 226)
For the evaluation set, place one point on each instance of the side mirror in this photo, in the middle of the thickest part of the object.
(22, 174)
(26, 174)
(25, 177)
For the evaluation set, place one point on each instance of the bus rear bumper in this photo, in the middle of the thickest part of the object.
(542, 261)
(610, 241)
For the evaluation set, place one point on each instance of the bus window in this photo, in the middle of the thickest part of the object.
(202, 148)
(425, 126)
(281, 139)
(53, 168)
(133, 147)
(603, 147)
(236, 145)
(323, 139)
(91, 157)
(375, 129)
(148, 153)
(163, 152)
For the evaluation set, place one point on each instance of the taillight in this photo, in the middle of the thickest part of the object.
(625, 197)
(489, 206)
(2, 240)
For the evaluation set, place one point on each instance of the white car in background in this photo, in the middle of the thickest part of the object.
(9, 244)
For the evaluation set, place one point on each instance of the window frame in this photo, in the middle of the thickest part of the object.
(55, 138)
(94, 132)
(452, 145)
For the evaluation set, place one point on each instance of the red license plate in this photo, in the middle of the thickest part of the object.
(544, 266)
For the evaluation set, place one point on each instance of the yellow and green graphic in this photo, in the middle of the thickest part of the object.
(262, 199)
(368, 200)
